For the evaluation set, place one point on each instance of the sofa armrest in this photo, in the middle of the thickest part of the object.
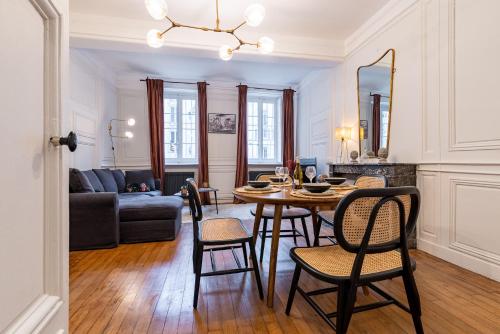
(93, 220)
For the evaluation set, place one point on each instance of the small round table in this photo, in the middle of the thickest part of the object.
(278, 199)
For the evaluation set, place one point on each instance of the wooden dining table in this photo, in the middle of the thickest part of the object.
(279, 199)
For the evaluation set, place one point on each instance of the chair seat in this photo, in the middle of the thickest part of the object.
(327, 216)
(336, 262)
(221, 229)
(288, 213)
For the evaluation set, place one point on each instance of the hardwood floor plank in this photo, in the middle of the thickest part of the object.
(148, 288)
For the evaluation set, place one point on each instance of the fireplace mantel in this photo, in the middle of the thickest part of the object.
(398, 174)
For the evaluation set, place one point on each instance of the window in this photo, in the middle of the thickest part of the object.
(264, 129)
(384, 123)
(181, 136)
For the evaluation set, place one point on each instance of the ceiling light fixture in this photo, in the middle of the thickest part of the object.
(254, 15)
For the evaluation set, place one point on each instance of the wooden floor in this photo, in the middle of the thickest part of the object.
(148, 288)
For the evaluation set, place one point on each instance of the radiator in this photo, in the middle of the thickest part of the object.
(175, 180)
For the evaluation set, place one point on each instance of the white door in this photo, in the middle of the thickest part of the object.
(33, 173)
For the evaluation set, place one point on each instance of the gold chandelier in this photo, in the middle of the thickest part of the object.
(254, 15)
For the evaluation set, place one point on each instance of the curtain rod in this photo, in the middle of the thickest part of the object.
(180, 82)
(271, 89)
(387, 97)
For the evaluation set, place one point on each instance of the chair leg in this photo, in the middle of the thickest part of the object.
(293, 288)
(263, 240)
(256, 268)
(306, 233)
(199, 262)
(341, 301)
(413, 301)
(350, 300)
(294, 231)
(195, 255)
(244, 249)
(216, 204)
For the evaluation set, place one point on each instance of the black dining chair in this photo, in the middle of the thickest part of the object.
(290, 213)
(218, 234)
(372, 227)
(363, 182)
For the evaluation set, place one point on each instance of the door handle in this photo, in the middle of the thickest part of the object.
(71, 141)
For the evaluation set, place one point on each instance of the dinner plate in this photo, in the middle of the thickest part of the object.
(323, 194)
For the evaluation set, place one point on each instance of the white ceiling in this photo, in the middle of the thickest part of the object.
(177, 67)
(322, 19)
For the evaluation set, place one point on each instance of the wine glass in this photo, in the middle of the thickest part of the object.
(285, 174)
(310, 173)
(279, 172)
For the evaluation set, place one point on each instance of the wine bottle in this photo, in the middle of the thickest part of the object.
(297, 175)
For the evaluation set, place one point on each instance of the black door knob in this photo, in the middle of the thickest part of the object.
(71, 141)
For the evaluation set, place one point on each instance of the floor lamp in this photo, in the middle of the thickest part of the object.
(127, 134)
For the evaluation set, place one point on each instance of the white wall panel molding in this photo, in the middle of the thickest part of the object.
(428, 223)
(461, 168)
(473, 113)
(473, 201)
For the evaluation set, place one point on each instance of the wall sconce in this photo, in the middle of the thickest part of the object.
(343, 134)
(127, 134)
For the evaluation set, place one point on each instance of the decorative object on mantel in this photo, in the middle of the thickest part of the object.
(343, 134)
(354, 157)
(126, 134)
(254, 15)
(370, 154)
(383, 153)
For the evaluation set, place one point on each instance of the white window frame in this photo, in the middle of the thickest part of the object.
(278, 133)
(179, 96)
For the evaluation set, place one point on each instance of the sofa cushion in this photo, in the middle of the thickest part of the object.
(107, 179)
(94, 181)
(138, 194)
(145, 207)
(78, 182)
(119, 179)
(140, 176)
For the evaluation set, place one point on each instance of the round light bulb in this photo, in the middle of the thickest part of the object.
(129, 134)
(131, 122)
(254, 14)
(225, 52)
(154, 39)
(265, 45)
(158, 9)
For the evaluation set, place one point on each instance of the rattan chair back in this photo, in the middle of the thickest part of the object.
(371, 181)
(194, 201)
(376, 220)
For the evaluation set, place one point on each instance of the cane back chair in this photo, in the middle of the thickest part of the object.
(291, 213)
(371, 226)
(362, 182)
(218, 234)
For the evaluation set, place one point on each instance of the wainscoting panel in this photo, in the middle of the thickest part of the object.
(428, 184)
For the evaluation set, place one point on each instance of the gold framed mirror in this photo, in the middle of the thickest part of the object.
(375, 91)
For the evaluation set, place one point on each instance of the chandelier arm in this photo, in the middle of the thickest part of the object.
(237, 27)
(167, 30)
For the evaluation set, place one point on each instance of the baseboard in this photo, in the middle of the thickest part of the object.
(460, 259)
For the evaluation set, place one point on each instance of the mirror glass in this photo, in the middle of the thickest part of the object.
(374, 103)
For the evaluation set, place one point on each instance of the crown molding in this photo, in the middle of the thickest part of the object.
(101, 32)
(388, 13)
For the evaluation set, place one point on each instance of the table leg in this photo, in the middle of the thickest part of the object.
(256, 223)
(316, 225)
(278, 211)
(216, 204)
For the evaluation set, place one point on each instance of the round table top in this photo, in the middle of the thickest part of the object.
(284, 197)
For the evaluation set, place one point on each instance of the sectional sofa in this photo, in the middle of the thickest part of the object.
(103, 213)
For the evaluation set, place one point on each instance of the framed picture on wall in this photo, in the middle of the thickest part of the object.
(222, 123)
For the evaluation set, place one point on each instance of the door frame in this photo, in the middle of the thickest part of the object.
(50, 309)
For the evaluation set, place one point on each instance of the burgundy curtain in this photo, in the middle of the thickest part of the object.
(376, 124)
(242, 156)
(203, 147)
(156, 128)
(288, 128)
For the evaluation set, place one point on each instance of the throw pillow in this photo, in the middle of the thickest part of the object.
(107, 179)
(137, 187)
(141, 176)
(94, 181)
(120, 180)
(78, 182)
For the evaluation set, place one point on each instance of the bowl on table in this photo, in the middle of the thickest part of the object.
(258, 184)
(316, 188)
(335, 180)
(277, 179)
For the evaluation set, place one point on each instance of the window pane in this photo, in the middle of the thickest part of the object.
(253, 130)
(170, 121)
(269, 129)
(188, 129)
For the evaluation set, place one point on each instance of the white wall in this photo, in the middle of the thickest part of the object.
(445, 118)
(93, 102)
(222, 97)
